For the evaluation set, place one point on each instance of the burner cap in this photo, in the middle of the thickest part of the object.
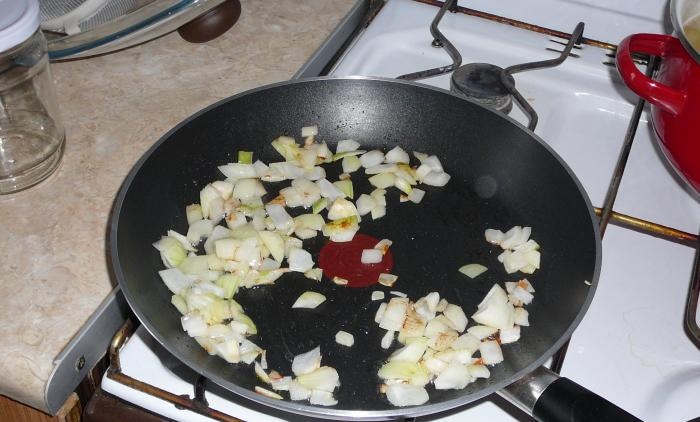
(481, 82)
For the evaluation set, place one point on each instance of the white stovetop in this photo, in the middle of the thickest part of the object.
(630, 347)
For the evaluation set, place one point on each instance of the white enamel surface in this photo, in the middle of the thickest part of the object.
(630, 347)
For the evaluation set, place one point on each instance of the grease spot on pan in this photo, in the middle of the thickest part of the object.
(486, 186)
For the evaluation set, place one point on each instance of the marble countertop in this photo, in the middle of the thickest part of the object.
(52, 237)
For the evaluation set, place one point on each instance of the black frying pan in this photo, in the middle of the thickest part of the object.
(502, 175)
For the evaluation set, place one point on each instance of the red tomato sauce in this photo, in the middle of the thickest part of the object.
(342, 259)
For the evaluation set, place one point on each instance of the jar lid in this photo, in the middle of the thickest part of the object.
(19, 19)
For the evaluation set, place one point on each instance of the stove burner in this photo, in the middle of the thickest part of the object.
(481, 82)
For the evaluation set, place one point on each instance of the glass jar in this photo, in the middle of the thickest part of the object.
(31, 132)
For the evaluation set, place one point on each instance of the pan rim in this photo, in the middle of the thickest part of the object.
(329, 412)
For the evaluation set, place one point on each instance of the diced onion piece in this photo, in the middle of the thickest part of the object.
(235, 171)
(479, 371)
(342, 208)
(309, 131)
(345, 186)
(521, 317)
(298, 391)
(225, 188)
(248, 188)
(371, 256)
(323, 378)
(436, 178)
(365, 203)
(329, 190)
(416, 195)
(193, 212)
(351, 164)
(382, 180)
(472, 270)
(509, 335)
(306, 363)
(395, 314)
(260, 372)
(228, 350)
(319, 205)
(494, 236)
(281, 384)
(409, 353)
(309, 300)
(342, 230)
(406, 395)
(378, 212)
(387, 279)
(268, 393)
(397, 293)
(172, 253)
(314, 274)
(491, 353)
(179, 303)
(245, 157)
(346, 145)
(397, 155)
(344, 338)
(456, 316)
(274, 243)
(194, 325)
(455, 377)
(199, 229)
(340, 281)
(466, 341)
(520, 296)
(383, 245)
(377, 295)
(310, 221)
(322, 398)
(495, 310)
(381, 168)
(481, 331)
(279, 216)
(387, 339)
(371, 158)
(380, 312)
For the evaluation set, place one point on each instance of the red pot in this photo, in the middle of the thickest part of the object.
(674, 95)
(675, 92)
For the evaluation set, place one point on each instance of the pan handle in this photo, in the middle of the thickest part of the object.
(551, 398)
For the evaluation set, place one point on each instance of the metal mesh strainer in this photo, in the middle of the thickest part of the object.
(73, 16)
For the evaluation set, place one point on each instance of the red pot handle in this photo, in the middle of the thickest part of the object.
(658, 94)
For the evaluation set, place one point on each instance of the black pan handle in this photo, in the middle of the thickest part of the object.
(550, 398)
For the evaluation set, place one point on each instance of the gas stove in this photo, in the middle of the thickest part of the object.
(631, 346)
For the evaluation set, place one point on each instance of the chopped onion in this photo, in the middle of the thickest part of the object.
(382, 180)
(479, 371)
(406, 395)
(248, 188)
(309, 300)
(329, 190)
(395, 314)
(455, 377)
(377, 295)
(378, 212)
(235, 171)
(397, 155)
(495, 310)
(381, 168)
(306, 363)
(279, 216)
(281, 384)
(387, 339)
(371, 256)
(268, 393)
(380, 312)
(365, 203)
(193, 212)
(472, 270)
(345, 186)
(323, 378)
(397, 293)
(298, 391)
(351, 164)
(322, 398)
(346, 145)
(194, 324)
(509, 335)
(340, 281)
(494, 236)
(342, 208)
(274, 243)
(371, 158)
(314, 274)
(344, 338)
(456, 316)
(172, 253)
(436, 178)
(482, 331)
(387, 279)
(225, 188)
(383, 245)
(409, 353)
(466, 341)
(416, 195)
(260, 372)
(491, 353)
(520, 296)
(309, 131)
(521, 317)
(199, 229)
